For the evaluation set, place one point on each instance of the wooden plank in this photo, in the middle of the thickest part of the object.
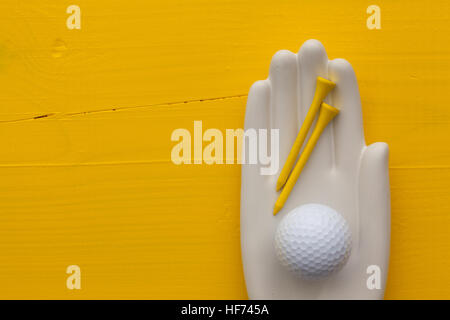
(91, 183)
(138, 225)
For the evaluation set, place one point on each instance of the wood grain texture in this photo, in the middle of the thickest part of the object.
(91, 183)
(93, 190)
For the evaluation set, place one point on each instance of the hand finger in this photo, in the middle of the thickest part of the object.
(257, 116)
(348, 126)
(257, 112)
(255, 210)
(283, 78)
(374, 209)
(313, 62)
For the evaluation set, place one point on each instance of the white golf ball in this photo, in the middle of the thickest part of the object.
(313, 241)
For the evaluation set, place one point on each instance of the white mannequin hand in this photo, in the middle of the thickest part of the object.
(342, 173)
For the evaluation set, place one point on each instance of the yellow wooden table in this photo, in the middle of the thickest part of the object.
(86, 117)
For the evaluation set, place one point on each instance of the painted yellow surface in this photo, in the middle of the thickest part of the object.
(86, 117)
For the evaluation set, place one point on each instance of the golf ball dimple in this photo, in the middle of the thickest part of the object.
(313, 241)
